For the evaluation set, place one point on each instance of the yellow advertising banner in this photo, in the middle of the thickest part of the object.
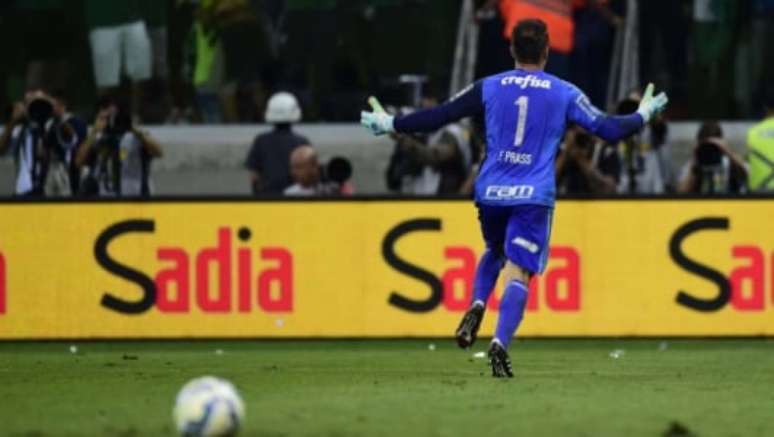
(375, 269)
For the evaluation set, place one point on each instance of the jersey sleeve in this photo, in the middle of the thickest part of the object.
(608, 127)
(467, 103)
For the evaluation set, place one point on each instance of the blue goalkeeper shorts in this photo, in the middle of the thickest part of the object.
(521, 232)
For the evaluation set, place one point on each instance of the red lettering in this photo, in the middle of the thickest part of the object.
(173, 281)
(282, 276)
(532, 297)
(569, 275)
(752, 273)
(561, 284)
(2, 284)
(463, 275)
(494, 299)
(532, 300)
(221, 257)
(245, 273)
(179, 275)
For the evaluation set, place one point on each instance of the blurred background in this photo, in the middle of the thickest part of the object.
(221, 97)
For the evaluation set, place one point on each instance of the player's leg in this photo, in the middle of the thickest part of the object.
(138, 59)
(527, 245)
(488, 270)
(106, 56)
(489, 267)
(493, 225)
(512, 306)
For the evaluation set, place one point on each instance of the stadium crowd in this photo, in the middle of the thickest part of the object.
(227, 61)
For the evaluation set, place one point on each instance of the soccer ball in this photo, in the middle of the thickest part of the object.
(208, 406)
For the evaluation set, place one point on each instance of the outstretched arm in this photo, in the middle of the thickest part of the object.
(615, 128)
(468, 103)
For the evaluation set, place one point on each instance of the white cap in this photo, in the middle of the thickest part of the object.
(283, 108)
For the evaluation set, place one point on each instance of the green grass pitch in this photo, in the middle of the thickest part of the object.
(397, 388)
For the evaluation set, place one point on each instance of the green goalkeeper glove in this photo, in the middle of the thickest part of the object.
(650, 106)
(379, 122)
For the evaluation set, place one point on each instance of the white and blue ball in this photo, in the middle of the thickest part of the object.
(208, 406)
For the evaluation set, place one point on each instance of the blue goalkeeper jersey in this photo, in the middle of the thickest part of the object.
(525, 115)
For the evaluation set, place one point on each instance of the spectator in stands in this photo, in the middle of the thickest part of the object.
(436, 165)
(154, 14)
(557, 14)
(760, 142)
(493, 50)
(157, 100)
(586, 166)
(715, 31)
(46, 40)
(714, 167)
(269, 158)
(116, 155)
(305, 168)
(209, 67)
(338, 174)
(65, 135)
(119, 39)
(24, 136)
(478, 149)
(663, 38)
(646, 163)
(245, 55)
(595, 24)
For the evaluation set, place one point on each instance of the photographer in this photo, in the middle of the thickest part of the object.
(309, 179)
(585, 166)
(438, 164)
(116, 156)
(25, 137)
(714, 168)
(68, 132)
(646, 156)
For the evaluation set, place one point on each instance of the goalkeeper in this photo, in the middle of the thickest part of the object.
(526, 112)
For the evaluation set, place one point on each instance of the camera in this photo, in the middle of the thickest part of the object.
(708, 154)
(338, 171)
(40, 111)
(712, 177)
(119, 123)
(119, 118)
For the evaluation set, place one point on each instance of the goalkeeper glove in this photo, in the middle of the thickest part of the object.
(650, 105)
(379, 122)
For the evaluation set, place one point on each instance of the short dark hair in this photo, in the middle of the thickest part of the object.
(709, 129)
(529, 41)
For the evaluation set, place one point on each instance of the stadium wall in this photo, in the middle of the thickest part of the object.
(208, 160)
(374, 268)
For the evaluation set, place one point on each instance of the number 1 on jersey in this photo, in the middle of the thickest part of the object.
(523, 104)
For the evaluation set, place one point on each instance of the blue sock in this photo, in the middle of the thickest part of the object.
(486, 276)
(511, 312)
